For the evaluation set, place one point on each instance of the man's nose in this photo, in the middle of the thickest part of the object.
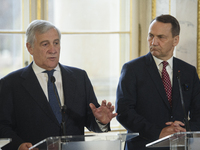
(154, 41)
(52, 48)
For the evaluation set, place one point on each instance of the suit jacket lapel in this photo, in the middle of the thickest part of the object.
(155, 76)
(32, 85)
(69, 85)
(69, 90)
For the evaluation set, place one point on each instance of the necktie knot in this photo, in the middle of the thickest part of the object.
(165, 63)
(50, 73)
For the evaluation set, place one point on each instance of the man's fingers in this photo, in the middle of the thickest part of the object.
(92, 106)
(112, 108)
(175, 123)
(103, 103)
(179, 123)
(114, 115)
(169, 123)
(109, 105)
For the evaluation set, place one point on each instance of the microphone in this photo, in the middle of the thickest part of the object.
(187, 126)
(62, 108)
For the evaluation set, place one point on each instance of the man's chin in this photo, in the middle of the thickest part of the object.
(51, 66)
(154, 53)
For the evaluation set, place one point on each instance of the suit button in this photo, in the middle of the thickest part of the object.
(171, 117)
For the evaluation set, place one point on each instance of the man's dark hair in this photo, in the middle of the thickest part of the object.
(169, 19)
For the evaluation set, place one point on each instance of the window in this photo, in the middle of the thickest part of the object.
(11, 41)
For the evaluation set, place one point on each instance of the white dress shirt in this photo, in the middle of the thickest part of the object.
(169, 67)
(43, 79)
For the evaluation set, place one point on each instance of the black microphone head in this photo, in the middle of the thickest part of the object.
(53, 80)
(64, 108)
(178, 74)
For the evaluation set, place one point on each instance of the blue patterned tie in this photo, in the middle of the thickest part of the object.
(52, 97)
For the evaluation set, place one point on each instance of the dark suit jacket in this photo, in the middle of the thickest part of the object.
(142, 105)
(26, 116)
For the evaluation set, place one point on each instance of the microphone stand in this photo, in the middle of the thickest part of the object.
(63, 124)
(187, 126)
(62, 108)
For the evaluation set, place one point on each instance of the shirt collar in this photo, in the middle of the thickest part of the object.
(38, 69)
(159, 61)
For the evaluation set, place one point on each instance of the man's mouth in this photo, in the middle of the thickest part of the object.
(153, 48)
(51, 58)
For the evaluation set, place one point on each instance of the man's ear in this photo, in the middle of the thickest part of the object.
(176, 40)
(29, 47)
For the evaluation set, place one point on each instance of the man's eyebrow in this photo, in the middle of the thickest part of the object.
(44, 41)
(150, 34)
(157, 35)
(161, 35)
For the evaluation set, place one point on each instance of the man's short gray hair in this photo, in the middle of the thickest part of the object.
(41, 26)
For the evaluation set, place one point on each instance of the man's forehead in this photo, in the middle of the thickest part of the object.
(49, 33)
(50, 30)
(160, 27)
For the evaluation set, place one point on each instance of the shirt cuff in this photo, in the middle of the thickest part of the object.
(103, 127)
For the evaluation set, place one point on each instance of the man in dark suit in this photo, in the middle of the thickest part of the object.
(144, 105)
(25, 113)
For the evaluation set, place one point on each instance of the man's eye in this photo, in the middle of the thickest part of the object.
(56, 43)
(162, 37)
(151, 36)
